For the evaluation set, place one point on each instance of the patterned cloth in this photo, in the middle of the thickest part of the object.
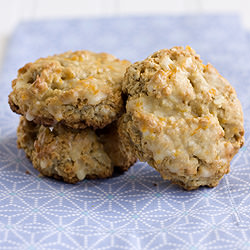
(136, 210)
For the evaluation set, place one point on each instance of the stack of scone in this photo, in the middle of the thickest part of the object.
(180, 116)
(70, 105)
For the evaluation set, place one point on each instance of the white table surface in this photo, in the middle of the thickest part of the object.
(14, 11)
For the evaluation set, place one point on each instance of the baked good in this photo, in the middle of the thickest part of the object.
(78, 89)
(182, 117)
(71, 154)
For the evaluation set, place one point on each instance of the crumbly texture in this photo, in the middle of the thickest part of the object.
(26, 135)
(78, 89)
(73, 155)
(182, 117)
(121, 158)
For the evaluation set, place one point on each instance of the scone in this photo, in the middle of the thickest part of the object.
(182, 117)
(72, 155)
(78, 89)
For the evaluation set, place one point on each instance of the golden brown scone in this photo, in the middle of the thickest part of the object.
(78, 89)
(70, 154)
(182, 117)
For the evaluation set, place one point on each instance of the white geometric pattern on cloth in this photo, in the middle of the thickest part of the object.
(136, 210)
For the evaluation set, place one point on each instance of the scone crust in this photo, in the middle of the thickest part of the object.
(121, 158)
(26, 135)
(72, 155)
(78, 89)
(182, 117)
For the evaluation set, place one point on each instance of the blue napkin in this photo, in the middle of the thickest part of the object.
(136, 210)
